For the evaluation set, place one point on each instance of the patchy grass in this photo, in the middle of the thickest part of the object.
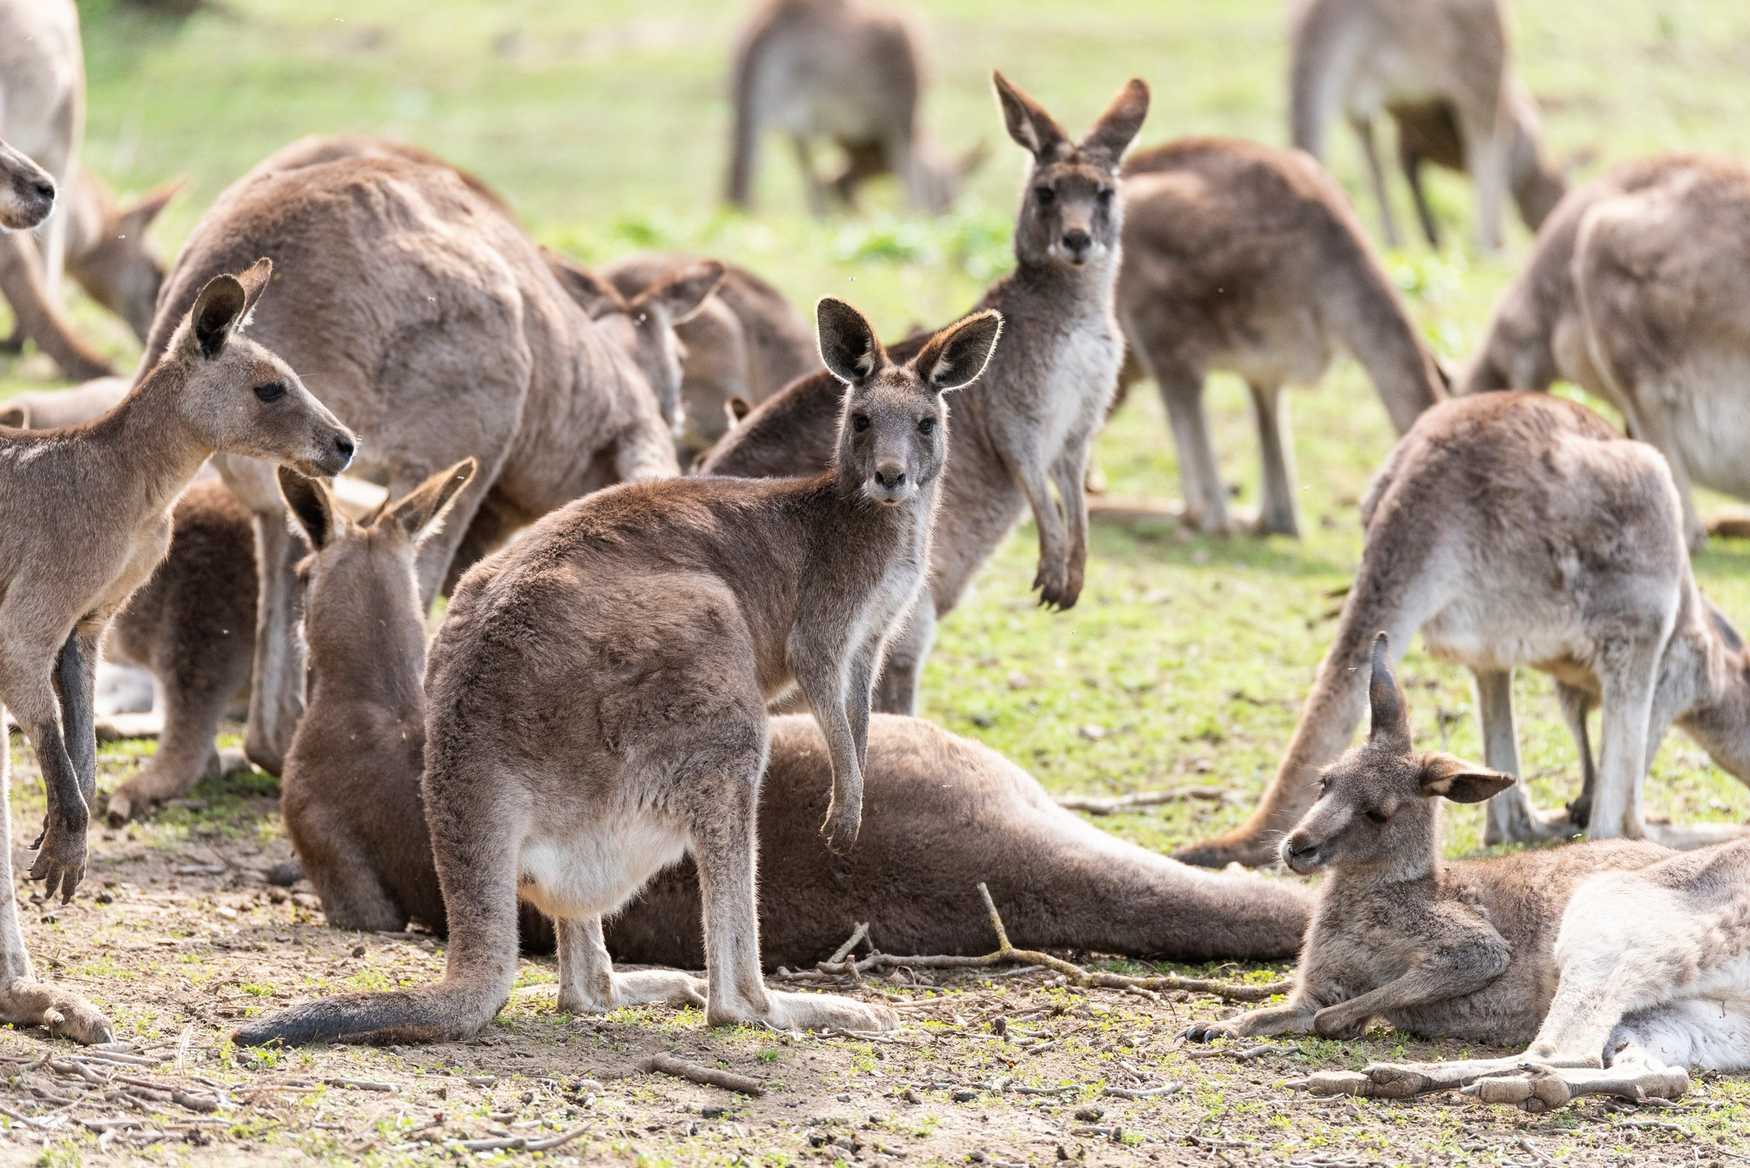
(1185, 662)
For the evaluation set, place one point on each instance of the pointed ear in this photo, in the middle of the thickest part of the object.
(590, 292)
(684, 293)
(736, 408)
(848, 346)
(135, 219)
(1120, 123)
(216, 312)
(1391, 721)
(958, 354)
(15, 415)
(1460, 781)
(422, 511)
(254, 283)
(1029, 125)
(311, 505)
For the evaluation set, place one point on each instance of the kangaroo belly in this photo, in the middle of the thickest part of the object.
(596, 867)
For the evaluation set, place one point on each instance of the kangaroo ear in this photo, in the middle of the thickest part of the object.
(684, 293)
(216, 312)
(421, 512)
(588, 291)
(958, 354)
(16, 415)
(1391, 722)
(736, 408)
(254, 283)
(1460, 781)
(134, 219)
(848, 346)
(1120, 123)
(311, 505)
(1029, 125)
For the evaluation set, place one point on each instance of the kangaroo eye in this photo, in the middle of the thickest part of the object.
(1375, 815)
(1045, 195)
(271, 392)
(926, 425)
(1324, 784)
(859, 422)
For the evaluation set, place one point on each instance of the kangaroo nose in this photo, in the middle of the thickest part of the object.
(1077, 241)
(344, 445)
(44, 189)
(890, 476)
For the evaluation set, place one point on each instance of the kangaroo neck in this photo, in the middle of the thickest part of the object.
(141, 453)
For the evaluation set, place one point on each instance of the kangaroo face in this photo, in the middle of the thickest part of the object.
(119, 270)
(27, 193)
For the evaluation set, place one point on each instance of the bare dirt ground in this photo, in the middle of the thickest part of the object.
(178, 935)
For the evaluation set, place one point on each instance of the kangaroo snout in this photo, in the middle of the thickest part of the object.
(334, 453)
(891, 485)
(1077, 243)
(32, 197)
(1302, 854)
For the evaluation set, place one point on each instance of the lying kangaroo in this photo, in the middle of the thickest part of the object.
(1617, 953)
(1361, 58)
(1429, 133)
(943, 813)
(1028, 423)
(1634, 293)
(1520, 529)
(657, 620)
(1221, 241)
(846, 71)
(746, 342)
(42, 113)
(439, 331)
(84, 518)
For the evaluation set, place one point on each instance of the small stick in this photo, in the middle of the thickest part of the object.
(668, 1064)
(518, 1143)
(1144, 1092)
(361, 1084)
(857, 937)
(1113, 804)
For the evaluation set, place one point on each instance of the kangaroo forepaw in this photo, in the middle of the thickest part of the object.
(841, 827)
(62, 1013)
(1057, 591)
(60, 860)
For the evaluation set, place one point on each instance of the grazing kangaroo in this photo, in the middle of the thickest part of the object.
(1027, 425)
(1521, 529)
(659, 619)
(64, 574)
(439, 331)
(746, 342)
(106, 248)
(846, 71)
(1360, 58)
(1634, 292)
(1221, 241)
(1627, 962)
(42, 113)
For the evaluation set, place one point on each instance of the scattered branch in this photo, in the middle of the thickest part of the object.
(1172, 1088)
(1113, 804)
(668, 1064)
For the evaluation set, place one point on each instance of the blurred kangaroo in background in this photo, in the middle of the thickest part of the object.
(1636, 293)
(844, 71)
(1027, 425)
(1520, 529)
(439, 331)
(1222, 238)
(1358, 59)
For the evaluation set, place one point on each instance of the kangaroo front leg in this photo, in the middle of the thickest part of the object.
(589, 985)
(1294, 1018)
(1052, 579)
(826, 686)
(1070, 474)
(1469, 961)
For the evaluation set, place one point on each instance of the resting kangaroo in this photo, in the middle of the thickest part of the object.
(1635, 292)
(845, 71)
(1520, 529)
(439, 331)
(83, 521)
(658, 620)
(1617, 954)
(1027, 425)
(1222, 239)
(1360, 58)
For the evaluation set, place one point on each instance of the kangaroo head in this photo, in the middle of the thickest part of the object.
(1720, 721)
(893, 428)
(941, 178)
(117, 268)
(1070, 213)
(1377, 804)
(359, 574)
(239, 398)
(27, 193)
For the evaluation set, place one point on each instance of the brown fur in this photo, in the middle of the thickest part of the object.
(107, 252)
(1222, 239)
(1520, 529)
(1027, 425)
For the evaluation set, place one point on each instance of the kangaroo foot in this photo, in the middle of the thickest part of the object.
(1402, 1080)
(644, 987)
(60, 859)
(62, 1013)
(808, 1012)
(1537, 1088)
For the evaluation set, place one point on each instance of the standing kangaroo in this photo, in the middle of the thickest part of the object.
(1635, 292)
(439, 331)
(1027, 425)
(1627, 962)
(845, 71)
(1360, 58)
(1221, 241)
(1520, 529)
(84, 519)
(597, 702)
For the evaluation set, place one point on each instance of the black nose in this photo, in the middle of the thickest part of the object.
(890, 477)
(344, 446)
(43, 189)
(1077, 240)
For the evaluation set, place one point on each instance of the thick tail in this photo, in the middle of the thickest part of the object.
(21, 282)
(1324, 46)
(447, 1012)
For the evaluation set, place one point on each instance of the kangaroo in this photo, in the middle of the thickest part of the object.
(1430, 133)
(64, 574)
(1361, 58)
(1620, 962)
(843, 70)
(42, 113)
(667, 614)
(1631, 294)
(747, 341)
(439, 331)
(1521, 529)
(27, 191)
(1221, 241)
(1027, 425)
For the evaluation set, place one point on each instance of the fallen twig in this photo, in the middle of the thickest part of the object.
(361, 1084)
(668, 1064)
(856, 938)
(1243, 1054)
(1172, 1088)
(518, 1143)
(1113, 804)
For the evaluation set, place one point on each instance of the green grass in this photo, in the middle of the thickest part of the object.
(605, 124)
